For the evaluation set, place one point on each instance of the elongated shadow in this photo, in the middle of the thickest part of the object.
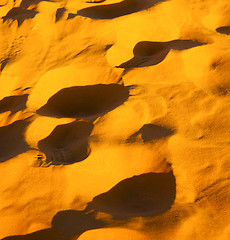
(85, 101)
(224, 30)
(115, 10)
(4, 63)
(45, 234)
(95, 1)
(151, 132)
(28, 3)
(19, 14)
(152, 53)
(13, 103)
(12, 140)
(71, 16)
(59, 13)
(66, 225)
(72, 222)
(145, 195)
(67, 143)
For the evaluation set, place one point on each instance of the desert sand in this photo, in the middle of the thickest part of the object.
(114, 119)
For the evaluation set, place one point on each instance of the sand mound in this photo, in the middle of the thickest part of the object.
(212, 69)
(117, 233)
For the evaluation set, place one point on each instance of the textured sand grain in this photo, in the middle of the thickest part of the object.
(114, 119)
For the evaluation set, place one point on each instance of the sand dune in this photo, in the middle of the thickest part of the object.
(114, 119)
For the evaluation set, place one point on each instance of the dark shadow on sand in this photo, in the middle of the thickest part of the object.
(59, 13)
(67, 143)
(65, 226)
(151, 132)
(28, 3)
(4, 63)
(85, 101)
(72, 222)
(19, 14)
(115, 10)
(224, 30)
(145, 195)
(152, 53)
(12, 140)
(13, 103)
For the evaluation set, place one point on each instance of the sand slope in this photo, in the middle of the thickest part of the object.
(114, 119)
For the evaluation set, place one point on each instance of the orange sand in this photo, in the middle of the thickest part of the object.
(114, 119)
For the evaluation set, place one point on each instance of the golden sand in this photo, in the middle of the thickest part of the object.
(114, 119)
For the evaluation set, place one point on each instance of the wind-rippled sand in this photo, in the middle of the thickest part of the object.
(114, 119)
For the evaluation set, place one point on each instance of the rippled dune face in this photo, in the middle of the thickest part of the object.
(114, 119)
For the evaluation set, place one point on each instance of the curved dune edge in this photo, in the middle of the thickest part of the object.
(114, 119)
(120, 233)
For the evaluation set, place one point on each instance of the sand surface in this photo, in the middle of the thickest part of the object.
(114, 119)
